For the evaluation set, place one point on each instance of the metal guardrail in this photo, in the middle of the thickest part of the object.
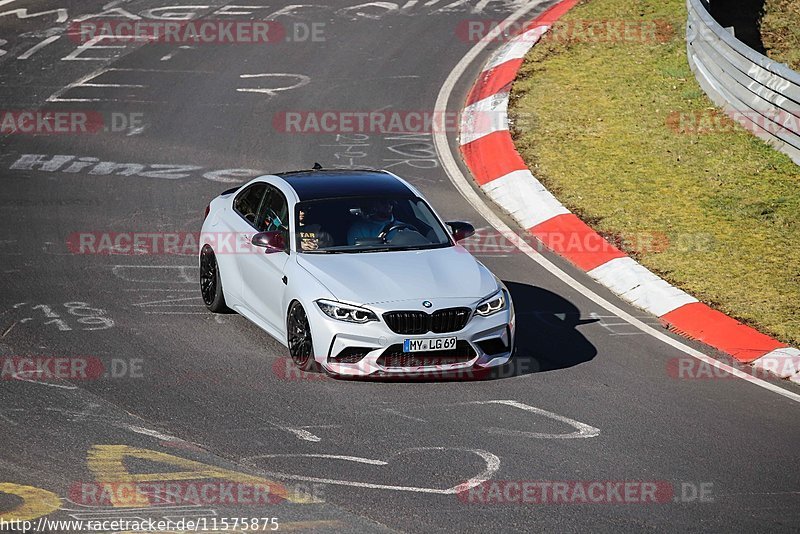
(760, 94)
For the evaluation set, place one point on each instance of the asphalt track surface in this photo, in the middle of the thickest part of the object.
(214, 389)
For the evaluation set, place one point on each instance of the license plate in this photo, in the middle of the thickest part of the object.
(429, 344)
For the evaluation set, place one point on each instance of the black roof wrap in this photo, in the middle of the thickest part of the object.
(313, 185)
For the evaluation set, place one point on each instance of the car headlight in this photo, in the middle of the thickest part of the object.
(492, 305)
(346, 312)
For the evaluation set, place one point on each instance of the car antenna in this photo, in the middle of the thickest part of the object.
(317, 167)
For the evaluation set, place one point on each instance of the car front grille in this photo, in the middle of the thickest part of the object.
(420, 322)
(394, 357)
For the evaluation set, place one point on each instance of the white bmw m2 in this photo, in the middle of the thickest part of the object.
(355, 273)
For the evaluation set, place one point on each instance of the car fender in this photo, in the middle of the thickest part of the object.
(306, 289)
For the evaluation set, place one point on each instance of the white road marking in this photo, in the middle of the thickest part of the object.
(171, 71)
(300, 433)
(181, 276)
(39, 46)
(492, 465)
(403, 415)
(169, 302)
(158, 289)
(119, 85)
(113, 3)
(611, 331)
(356, 459)
(152, 433)
(176, 313)
(56, 97)
(23, 378)
(92, 44)
(582, 430)
(9, 329)
(7, 420)
(302, 80)
(463, 185)
(82, 415)
(172, 54)
(82, 82)
(180, 305)
(136, 131)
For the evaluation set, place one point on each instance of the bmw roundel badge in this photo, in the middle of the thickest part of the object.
(427, 303)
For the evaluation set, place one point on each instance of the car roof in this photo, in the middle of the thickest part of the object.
(319, 184)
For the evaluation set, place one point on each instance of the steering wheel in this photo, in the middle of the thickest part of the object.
(391, 226)
(271, 217)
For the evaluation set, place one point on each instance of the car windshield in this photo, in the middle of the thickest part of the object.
(367, 224)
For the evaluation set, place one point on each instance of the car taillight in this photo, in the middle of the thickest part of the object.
(208, 208)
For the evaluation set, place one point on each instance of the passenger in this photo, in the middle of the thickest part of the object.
(311, 236)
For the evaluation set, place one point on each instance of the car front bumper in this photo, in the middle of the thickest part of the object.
(489, 340)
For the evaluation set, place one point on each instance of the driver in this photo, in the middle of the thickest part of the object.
(377, 216)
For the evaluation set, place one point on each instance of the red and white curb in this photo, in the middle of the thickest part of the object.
(489, 152)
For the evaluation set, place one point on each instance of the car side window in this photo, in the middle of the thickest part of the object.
(275, 213)
(248, 203)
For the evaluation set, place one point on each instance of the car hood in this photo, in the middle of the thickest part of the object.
(374, 277)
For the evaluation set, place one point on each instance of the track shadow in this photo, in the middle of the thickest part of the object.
(745, 18)
(547, 335)
(547, 339)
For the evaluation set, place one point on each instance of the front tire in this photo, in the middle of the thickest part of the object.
(210, 282)
(298, 333)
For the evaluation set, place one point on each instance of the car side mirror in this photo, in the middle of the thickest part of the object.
(461, 230)
(270, 241)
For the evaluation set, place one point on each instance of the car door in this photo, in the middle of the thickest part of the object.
(263, 286)
(230, 245)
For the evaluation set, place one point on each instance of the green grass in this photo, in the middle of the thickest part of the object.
(780, 31)
(591, 119)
